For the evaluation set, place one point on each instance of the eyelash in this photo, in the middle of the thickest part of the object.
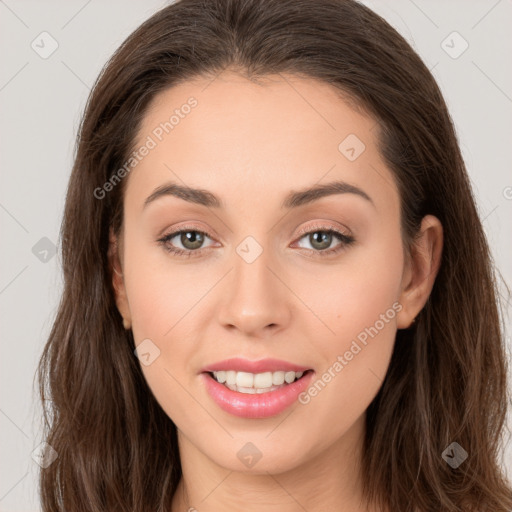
(346, 240)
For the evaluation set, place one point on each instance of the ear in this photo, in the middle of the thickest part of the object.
(421, 270)
(114, 253)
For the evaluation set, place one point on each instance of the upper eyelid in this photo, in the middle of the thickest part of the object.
(320, 226)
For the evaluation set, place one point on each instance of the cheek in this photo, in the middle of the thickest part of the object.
(358, 301)
(356, 297)
(160, 293)
(163, 303)
(355, 351)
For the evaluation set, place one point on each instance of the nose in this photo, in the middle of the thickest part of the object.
(256, 297)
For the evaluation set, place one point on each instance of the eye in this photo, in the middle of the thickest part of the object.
(191, 240)
(321, 237)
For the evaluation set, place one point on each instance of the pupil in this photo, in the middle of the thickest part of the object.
(192, 237)
(325, 239)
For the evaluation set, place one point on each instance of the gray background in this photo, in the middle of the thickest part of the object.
(41, 101)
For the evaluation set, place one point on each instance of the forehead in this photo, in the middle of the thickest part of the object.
(236, 137)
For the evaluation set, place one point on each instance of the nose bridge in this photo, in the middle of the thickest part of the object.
(255, 298)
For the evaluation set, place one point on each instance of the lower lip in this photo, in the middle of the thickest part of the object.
(263, 405)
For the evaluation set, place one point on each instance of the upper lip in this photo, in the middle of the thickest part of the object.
(262, 365)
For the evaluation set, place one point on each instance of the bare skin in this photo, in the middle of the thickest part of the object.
(251, 145)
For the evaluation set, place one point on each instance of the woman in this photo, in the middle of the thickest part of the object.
(278, 293)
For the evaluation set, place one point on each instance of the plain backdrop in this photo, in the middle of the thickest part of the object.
(52, 51)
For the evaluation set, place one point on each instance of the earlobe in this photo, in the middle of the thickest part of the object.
(118, 284)
(422, 269)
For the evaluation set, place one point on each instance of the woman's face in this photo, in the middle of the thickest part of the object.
(268, 279)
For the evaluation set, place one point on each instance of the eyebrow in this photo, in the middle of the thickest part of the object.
(294, 199)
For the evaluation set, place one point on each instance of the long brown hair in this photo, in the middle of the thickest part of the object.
(447, 380)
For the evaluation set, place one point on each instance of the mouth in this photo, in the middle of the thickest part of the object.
(256, 383)
(252, 396)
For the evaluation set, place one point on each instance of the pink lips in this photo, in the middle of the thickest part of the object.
(263, 365)
(261, 405)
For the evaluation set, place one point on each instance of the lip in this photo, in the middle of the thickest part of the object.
(254, 406)
(261, 366)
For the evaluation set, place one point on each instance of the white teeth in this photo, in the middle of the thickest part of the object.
(249, 391)
(289, 377)
(221, 377)
(263, 380)
(278, 378)
(244, 379)
(245, 382)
